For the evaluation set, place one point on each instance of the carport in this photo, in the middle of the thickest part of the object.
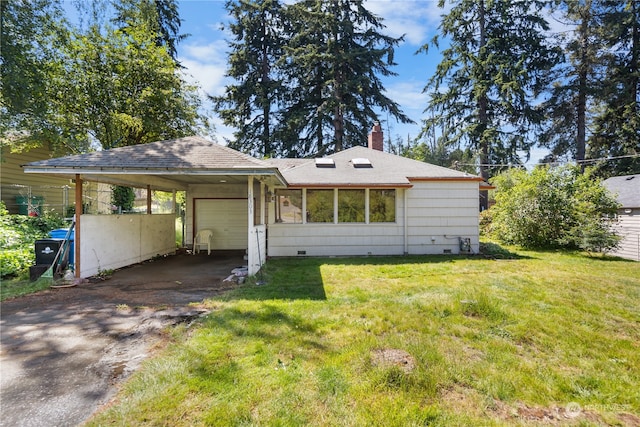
(227, 192)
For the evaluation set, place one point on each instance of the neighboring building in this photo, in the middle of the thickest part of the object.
(360, 201)
(31, 194)
(627, 190)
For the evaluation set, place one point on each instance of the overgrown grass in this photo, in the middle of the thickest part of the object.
(21, 285)
(495, 342)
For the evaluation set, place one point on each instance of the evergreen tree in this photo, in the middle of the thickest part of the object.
(496, 64)
(257, 45)
(337, 53)
(579, 80)
(617, 122)
(161, 16)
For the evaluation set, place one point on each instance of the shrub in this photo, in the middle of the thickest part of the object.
(18, 234)
(553, 208)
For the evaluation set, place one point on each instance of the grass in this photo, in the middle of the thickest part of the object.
(21, 285)
(531, 338)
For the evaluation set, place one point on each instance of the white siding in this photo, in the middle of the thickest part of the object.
(438, 214)
(628, 227)
(114, 241)
(335, 239)
(57, 193)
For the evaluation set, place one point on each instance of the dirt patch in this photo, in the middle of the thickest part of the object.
(570, 414)
(390, 357)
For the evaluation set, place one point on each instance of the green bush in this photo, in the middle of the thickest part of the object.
(552, 208)
(18, 234)
(123, 197)
(14, 262)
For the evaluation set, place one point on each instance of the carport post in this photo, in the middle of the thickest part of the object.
(78, 214)
(262, 203)
(148, 199)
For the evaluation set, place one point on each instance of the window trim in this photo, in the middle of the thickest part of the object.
(367, 206)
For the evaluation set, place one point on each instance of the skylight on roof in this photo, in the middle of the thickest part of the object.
(361, 162)
(325, 163)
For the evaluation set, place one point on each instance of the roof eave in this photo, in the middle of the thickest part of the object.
(446, 178)
(349, 185)
(102, 171)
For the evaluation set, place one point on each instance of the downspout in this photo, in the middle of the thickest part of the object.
(405, 225)
(78, 214)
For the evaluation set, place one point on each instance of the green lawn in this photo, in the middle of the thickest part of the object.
(405, 341)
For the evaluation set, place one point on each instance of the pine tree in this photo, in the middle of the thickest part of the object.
(579, 79)
(484, 88)
(337, 53)
(249, 103)
(617, 122)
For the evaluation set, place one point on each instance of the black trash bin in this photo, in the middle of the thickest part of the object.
(46, 250)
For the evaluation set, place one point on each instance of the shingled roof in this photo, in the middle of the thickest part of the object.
(196, 160)
(165, 165)
(627, 189)
(189, 153)
(385, 169)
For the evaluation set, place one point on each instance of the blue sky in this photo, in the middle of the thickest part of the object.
(204, 53)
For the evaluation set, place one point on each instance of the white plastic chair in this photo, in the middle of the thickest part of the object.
(203, 237)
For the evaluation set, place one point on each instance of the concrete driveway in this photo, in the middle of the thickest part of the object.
(64, 351)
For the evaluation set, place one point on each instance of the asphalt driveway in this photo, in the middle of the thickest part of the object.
(65, 351)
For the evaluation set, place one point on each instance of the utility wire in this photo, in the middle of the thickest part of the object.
(511, 165)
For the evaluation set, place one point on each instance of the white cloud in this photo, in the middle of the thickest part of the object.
(409, 95)
(205, 65)
(415, 19)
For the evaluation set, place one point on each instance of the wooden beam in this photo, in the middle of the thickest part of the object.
(148, 199)
(78, 214)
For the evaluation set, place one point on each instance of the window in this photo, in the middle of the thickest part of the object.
(289, 206)
(351, 205)
(319, 205)
(382, 205)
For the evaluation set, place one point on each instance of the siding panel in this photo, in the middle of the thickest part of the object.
(438, 214)
(16, 183)
(628, 227)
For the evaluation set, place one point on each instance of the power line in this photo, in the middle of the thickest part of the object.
(512, 165)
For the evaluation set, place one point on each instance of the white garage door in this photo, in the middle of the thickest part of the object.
(228, 220)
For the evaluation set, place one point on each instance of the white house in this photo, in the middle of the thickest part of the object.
(627, 190)
(361, 201)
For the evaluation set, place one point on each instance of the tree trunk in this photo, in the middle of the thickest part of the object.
(583, 75)
(482, 112)
(266, 104)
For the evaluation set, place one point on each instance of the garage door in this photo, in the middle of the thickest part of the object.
(228, 220)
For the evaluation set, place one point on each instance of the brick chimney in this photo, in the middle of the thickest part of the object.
(376, 137)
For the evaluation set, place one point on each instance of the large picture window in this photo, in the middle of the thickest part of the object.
(289, 206)
(351, 207)
(319, 205)
(382, 205)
